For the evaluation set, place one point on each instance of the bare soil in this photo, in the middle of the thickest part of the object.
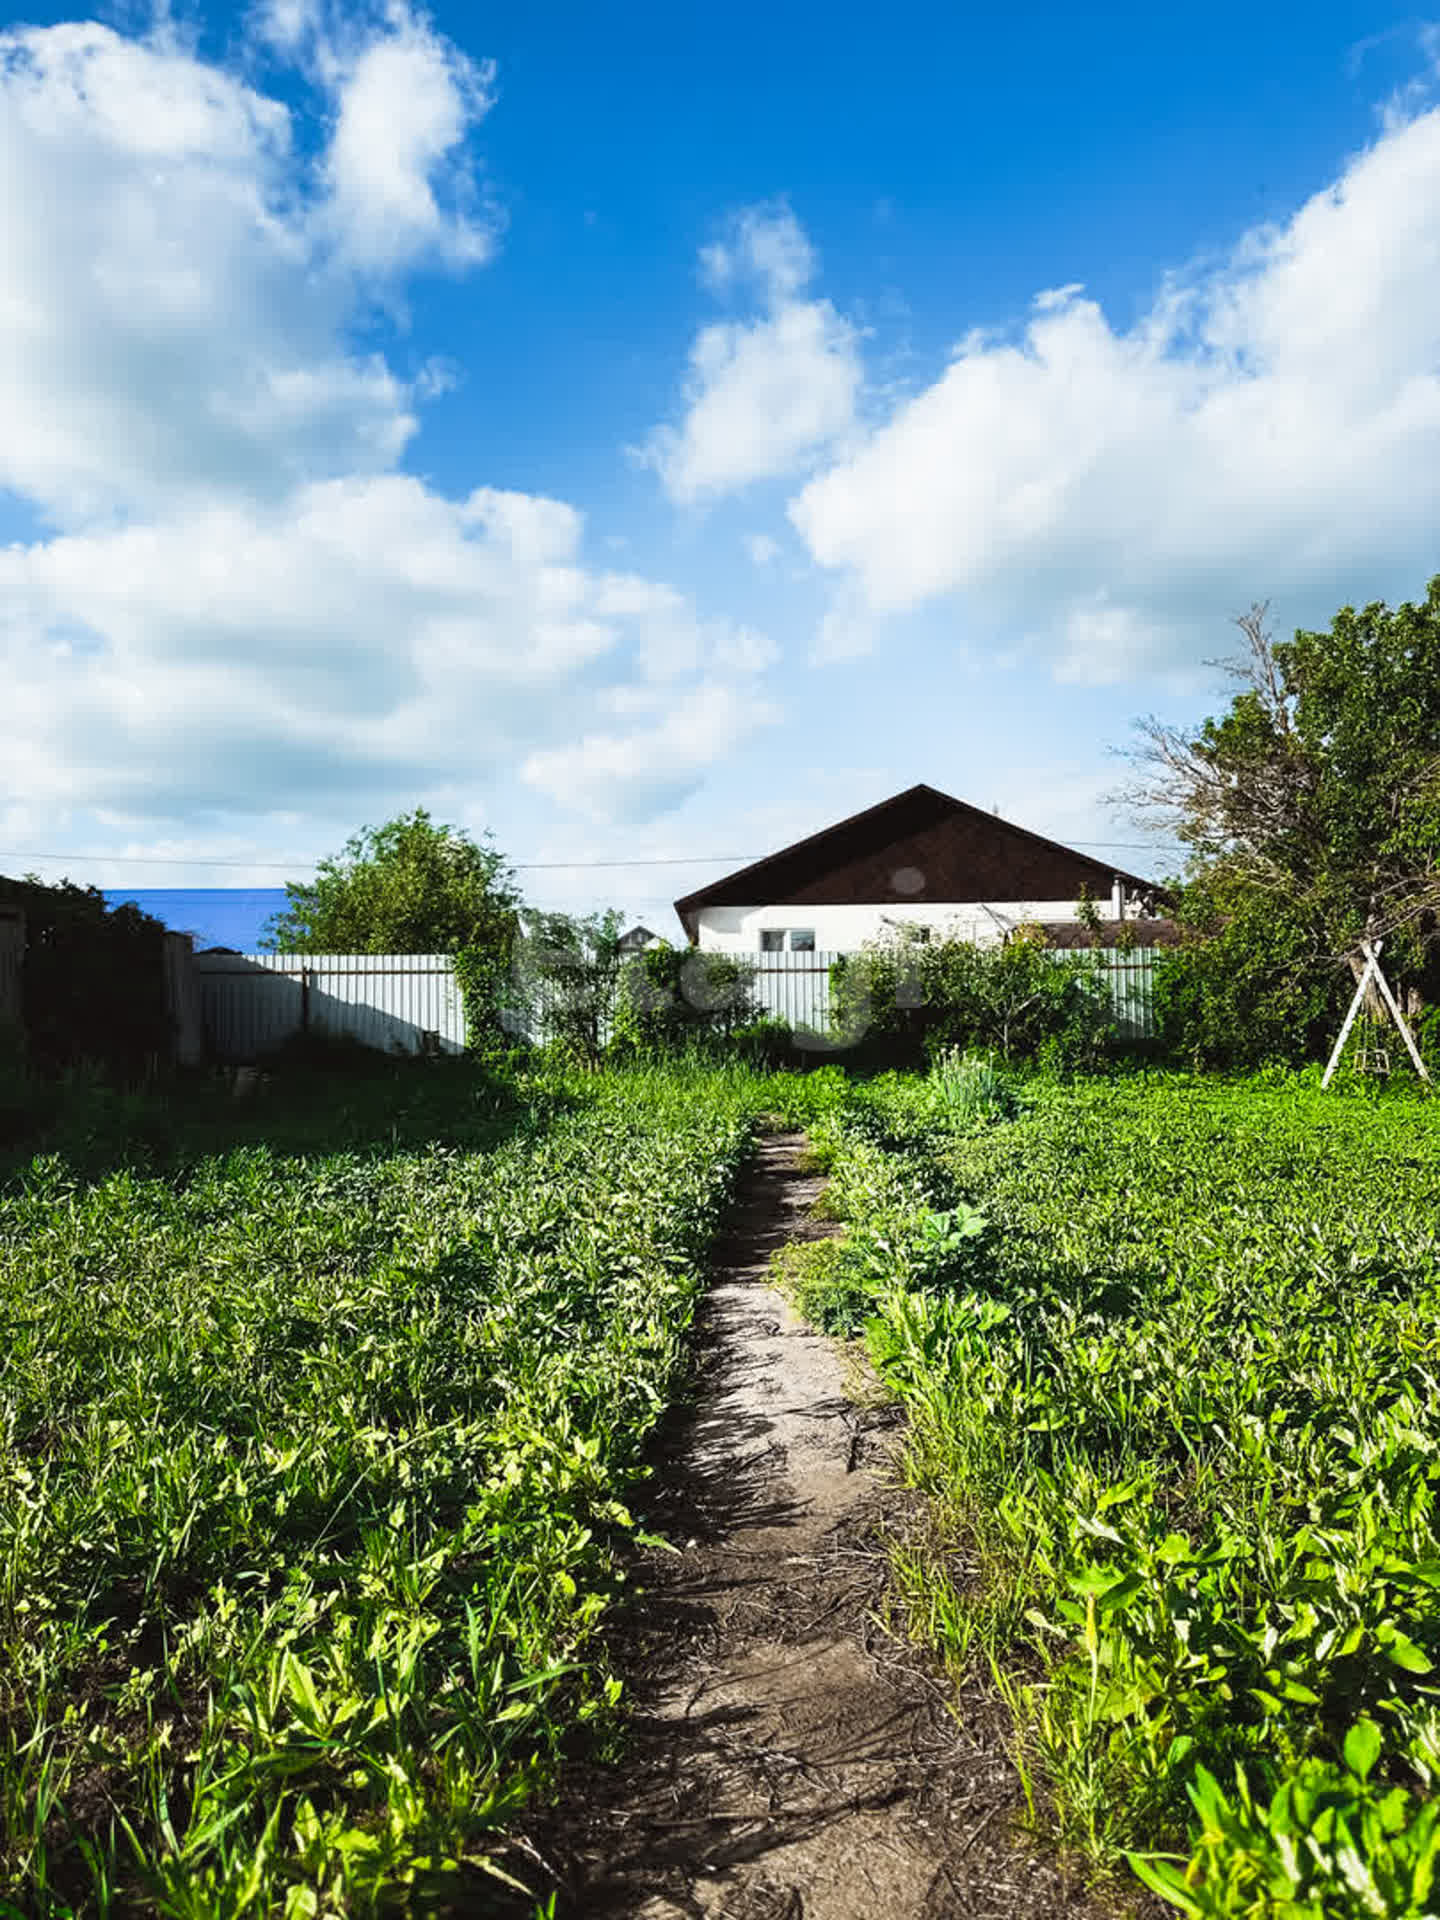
(786, 1758)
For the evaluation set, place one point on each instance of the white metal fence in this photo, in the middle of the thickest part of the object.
(794, 987)
(1132, 985)
(251, 1003)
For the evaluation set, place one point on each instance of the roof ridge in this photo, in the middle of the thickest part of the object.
(691, 902)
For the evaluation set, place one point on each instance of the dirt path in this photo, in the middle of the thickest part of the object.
(785, 1757)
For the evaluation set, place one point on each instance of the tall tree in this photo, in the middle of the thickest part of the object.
(1311, 808)
(410, 886)
(1320, 783)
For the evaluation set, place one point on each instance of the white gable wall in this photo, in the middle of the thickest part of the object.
(845, 929)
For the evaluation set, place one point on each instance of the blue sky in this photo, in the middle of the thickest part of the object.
(652, 434)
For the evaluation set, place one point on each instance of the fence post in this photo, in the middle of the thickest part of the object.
(182, 1000)
(12, 966)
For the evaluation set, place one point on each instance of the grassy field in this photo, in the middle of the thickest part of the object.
(319, 1413)
(1170, 1354)
(313, 1459)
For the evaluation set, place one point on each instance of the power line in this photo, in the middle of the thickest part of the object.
(672, 860)
(290, 866)
(520, 866)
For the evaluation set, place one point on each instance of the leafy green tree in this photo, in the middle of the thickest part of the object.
(1250, 984)
(1320, 783)
(1311, 809)
(410, 886)
(414, 886)
(93, 981)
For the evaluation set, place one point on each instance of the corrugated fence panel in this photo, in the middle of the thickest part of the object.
(794, 987)
(1132, 985)
(388, 1001)
(251, 1003)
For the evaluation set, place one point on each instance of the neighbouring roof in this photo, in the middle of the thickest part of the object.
(920, 845)
(1142, 933)
(637, 937)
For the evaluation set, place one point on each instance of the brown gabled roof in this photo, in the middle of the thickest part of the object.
(954, 851)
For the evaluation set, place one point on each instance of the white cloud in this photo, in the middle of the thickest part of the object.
(243, 606)
(765, 393)
(406, 102)
(156, 334)
(846, 632)
(1270, 427)
(740, 649)
(766, 246)
(763, 549)
(363, 635)
(632, 774)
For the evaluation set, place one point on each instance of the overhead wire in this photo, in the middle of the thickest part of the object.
(519, 866)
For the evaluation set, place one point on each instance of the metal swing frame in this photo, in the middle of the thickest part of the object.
(1373, 971)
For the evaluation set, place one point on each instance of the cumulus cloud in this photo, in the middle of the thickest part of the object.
(405, 104)
(362, 630)
(240, 604)
(1271, 426)
(632, 771)
(174, 282)
(764, 393)
(765, 246)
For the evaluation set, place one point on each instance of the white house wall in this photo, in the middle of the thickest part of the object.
(844, 929)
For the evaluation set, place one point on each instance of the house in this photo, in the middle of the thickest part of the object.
(920, 859)
(637, 939)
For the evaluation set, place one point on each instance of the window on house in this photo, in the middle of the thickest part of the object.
(802, 940)
(772, 940)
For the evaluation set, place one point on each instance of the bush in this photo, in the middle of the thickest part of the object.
(907, 1246)
(94, 980)
(828, 1283)
(1251, 985)
(766, 1044)
(670, 998)
(904, 1001)
(962, 1088)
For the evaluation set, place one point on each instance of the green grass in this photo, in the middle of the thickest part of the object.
(320, 1411)
(1181, 1392)
(312, 1477)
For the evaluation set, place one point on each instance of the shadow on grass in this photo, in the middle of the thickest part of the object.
(306, 1105)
